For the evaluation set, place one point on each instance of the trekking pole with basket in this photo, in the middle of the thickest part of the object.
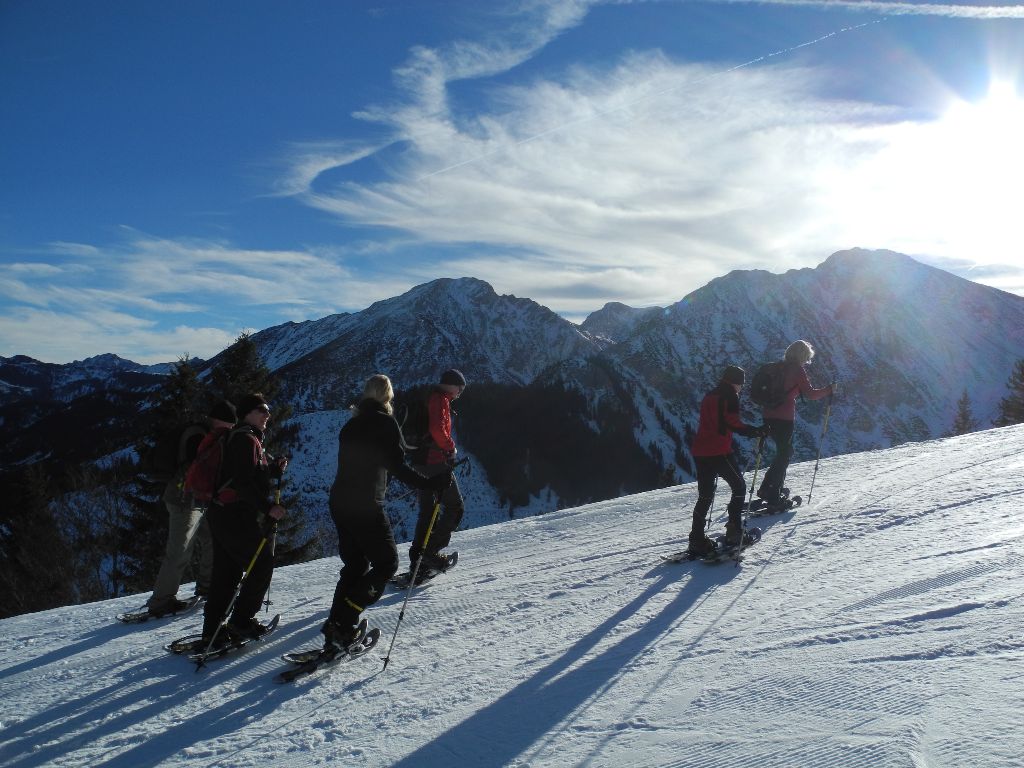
(821, 440)
(277, 501)
(412, 578)
(757, 466)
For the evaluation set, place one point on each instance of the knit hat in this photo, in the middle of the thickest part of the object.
(733, 374)
(451, 376)
(250, 403)
(223, 410)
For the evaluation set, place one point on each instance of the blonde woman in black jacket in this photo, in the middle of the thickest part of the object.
(369, 447)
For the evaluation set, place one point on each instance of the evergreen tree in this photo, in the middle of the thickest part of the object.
(1011, 407)
(34, 556)
(964, 421)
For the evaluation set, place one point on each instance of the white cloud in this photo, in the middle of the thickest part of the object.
(151, 299)
(668, 173)
(647, 179)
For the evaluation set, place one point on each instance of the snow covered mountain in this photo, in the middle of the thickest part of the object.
(878, 627)
(904, 340)
(559, 415)
(552, 406)
(22, 378)
(445, 323)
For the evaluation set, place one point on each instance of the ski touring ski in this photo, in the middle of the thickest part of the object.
(401, 581)
(306, 663)
(194, 646)
(142, 615)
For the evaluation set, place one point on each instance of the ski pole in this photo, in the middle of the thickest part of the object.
(412, 577)
(707, 520)
(224, 619)
(277, 502)
(821, 440)
(757, 466)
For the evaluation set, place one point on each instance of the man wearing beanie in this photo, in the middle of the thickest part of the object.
(440, 457)
(712, 454)
(241, 515)
(187, 529)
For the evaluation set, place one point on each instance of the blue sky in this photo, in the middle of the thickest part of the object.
(173, 173)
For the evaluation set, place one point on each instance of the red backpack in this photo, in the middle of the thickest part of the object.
(202, 479)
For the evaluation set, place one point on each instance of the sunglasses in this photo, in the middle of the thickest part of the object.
(263, 409)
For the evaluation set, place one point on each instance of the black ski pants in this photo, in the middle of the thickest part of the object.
(781, 433)
(452, 509)
(709, 469)
(236, 533)
(369, 558)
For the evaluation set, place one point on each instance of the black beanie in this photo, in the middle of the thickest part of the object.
(451, 376)
(249, 403)
(223, 410)
(734, 375)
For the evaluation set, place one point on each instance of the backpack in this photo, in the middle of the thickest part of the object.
(169, 455)
(768, 387)
(414, 419)
(202, 479)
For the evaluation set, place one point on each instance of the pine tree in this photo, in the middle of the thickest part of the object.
(1011, 407)
(34, 556)
(964, 421)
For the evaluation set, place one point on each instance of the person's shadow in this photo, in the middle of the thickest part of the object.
(506, 728)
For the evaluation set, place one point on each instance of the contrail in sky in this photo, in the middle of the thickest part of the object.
(952, 10)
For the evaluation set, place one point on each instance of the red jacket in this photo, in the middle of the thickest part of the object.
(797, 383)
(719, 418)
(439, 412)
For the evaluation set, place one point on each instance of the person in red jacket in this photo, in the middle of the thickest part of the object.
(440, 458)
(779, 419)
(712, 454)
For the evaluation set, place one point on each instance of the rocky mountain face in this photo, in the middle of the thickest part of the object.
(446, 323)
(558, 414)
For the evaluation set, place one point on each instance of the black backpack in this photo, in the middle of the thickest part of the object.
(413, 417)
(169, 455)
(768, 387)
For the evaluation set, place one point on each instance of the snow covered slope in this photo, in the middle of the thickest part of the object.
(879, 626)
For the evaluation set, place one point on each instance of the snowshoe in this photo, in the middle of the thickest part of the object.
(175, 608)
(426, 574)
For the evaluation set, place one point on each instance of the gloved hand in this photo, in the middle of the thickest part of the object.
(759, 431)
(269, 524)
(440, 482)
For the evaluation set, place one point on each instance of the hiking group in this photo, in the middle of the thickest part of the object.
(218, 486)
(775, 388)
(219, 498)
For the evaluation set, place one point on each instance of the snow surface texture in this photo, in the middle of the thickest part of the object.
(878, 626)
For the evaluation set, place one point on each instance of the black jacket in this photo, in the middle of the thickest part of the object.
(370, 446)
(246, 470)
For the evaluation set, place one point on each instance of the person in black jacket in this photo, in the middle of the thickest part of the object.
(240, 516)
(369, 446)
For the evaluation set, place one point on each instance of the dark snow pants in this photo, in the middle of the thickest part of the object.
(781, 433)
(369, 558)
(236, 536)
(709, 468)
(452, 509)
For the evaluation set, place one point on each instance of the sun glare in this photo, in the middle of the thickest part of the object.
(951, 186)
